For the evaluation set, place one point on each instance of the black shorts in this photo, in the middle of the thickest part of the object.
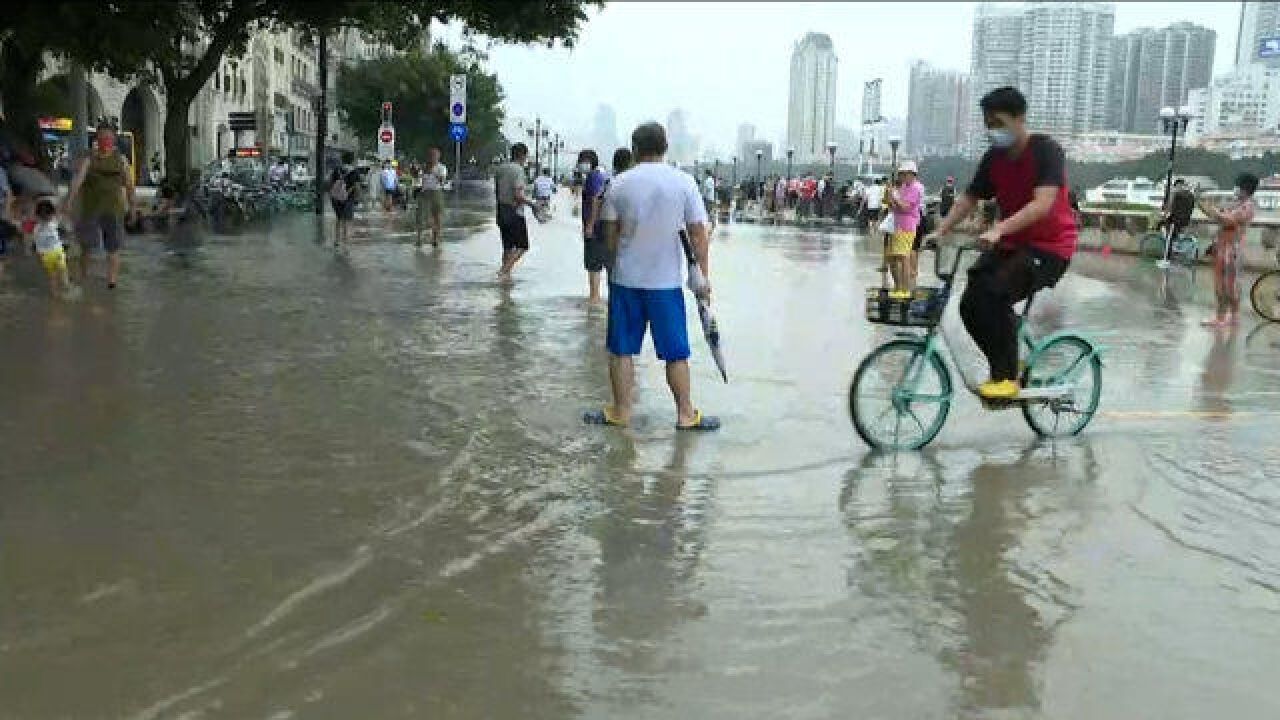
(512, 227)
(595, 254)
(344, 210)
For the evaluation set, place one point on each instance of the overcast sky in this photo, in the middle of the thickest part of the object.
(727, 63)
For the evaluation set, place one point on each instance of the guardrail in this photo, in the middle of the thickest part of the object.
(1122, 231)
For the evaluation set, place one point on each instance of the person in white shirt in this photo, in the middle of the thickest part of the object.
(543, 188)
(431, 195)
(279, 172)
(390, 185)
(645, 210)
(709, 197)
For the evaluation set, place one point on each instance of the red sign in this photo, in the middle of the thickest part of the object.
(386, 135)
(248, 152)
(386, 106)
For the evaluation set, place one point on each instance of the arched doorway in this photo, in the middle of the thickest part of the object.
(140, 115)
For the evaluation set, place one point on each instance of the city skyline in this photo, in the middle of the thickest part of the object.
(736, 67)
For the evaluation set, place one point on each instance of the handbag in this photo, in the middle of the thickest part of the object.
(887, 225)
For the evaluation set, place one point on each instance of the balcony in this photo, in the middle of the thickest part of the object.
(302, 88)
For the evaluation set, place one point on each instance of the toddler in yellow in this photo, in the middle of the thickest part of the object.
(49, 247)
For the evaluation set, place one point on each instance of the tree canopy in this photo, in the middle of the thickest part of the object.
(418, 87)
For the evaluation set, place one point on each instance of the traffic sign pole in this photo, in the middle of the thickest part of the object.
(457, 126)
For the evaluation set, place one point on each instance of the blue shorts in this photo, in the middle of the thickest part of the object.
(631, 310)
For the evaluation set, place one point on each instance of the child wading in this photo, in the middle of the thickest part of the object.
(1233, 220)
(48, 241)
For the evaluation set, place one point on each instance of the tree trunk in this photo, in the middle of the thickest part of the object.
(177, 135)
(19, 71)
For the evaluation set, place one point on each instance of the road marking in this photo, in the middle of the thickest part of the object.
(1181, 414)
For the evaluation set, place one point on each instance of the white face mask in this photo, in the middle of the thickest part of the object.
(584, 167)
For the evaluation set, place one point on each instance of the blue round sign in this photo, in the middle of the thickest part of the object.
(458, 131)
(457, 109)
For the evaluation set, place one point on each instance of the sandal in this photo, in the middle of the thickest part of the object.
(701, 423)
(601, 417)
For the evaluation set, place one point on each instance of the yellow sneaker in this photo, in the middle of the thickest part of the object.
(900, 294)
(999, 390)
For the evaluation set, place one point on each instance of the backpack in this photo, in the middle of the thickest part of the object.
(338, 190)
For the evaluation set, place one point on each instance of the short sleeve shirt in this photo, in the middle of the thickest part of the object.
(508, 178)
(1012, 181)
(434, 178)
(911, 195)
(652, 203)
(591, 187)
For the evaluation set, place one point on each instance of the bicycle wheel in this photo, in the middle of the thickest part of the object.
(900, 397)
(1152, 246)
(1265, 295)
(1066, 361)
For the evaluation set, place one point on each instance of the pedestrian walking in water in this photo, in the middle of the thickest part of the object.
(508, 186)
(48, 242)
(906, 200)
(431, 183)
(102, 194)
(1233, 221)
(344, 188)
(709, 197)
(594, 251)
(645, 210)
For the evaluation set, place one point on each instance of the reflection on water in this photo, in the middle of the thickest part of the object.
(952, 548)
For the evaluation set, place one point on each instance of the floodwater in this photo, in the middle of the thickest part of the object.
(259, 480)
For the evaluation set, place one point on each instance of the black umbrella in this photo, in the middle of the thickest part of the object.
(710, 330)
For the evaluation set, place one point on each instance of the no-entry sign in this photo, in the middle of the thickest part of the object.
(386, 142)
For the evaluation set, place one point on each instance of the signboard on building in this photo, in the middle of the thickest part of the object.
(1268, 47)
(60, 124)
(248, 152)
(242, 121)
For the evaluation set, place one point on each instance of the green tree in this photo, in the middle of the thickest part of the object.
(418, 87)
(183, 42)
(88, 34)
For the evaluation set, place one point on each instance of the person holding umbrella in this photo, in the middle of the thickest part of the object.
(644, 213)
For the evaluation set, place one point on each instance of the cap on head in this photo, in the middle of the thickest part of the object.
(909, 166)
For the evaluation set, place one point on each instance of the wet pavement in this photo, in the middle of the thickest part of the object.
(263, 481)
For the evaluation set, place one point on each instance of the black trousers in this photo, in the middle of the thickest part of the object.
(1000, 279)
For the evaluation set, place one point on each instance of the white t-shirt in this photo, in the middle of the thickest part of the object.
(46, 237)
(651, 203)
(434, 178)
(709, 189)
(543, 186)
(875, 197)
(389, 178)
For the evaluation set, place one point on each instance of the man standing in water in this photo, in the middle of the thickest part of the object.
(101, 196)
(431, 201)
(508, 186)
(644, 211)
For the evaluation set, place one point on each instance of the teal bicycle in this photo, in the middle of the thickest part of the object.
(902, 391)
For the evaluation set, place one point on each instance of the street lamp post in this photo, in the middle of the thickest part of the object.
(894, 142)
(759, 159)
(735, 170)
(790, 154)
(1171, 121)
(831, 150)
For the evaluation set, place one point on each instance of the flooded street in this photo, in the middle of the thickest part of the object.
(263, 481)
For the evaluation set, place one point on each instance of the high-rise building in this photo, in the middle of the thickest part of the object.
(682, 147)
(746, 134)
(1259, 23)
(1065, 65)
(1153, 69)
(1244, 103)
(1058, 54)
(604, 131)
(937, 110)
(811, 116)
(997, 47)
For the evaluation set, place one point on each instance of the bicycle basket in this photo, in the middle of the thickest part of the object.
(923, 309)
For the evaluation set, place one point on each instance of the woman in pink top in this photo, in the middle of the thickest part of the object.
(1233, 221)
(905, 201)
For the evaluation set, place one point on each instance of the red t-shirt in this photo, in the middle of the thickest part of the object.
(1012, 182)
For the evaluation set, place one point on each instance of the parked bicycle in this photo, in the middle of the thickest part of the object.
(1186, 248)
(1265, 293)
(902, 391)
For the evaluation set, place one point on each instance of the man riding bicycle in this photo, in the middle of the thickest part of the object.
(1028, 249)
